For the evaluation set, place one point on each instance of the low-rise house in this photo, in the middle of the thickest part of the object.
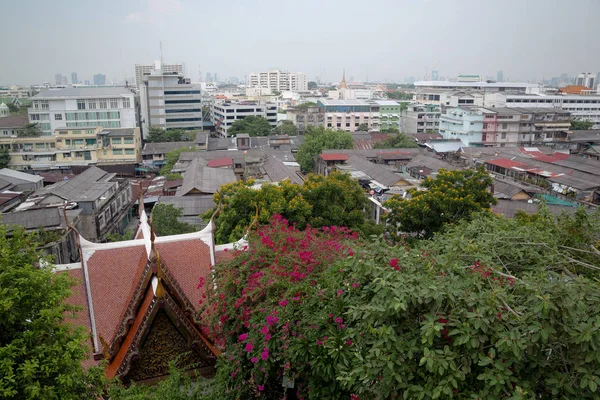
(12, 125)
(21, 181)
(154, 154)
(200, 179)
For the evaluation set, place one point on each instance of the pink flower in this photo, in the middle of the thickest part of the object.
(264, 330)
(338, 320)
(265, 354)
(272, 320)
(243, 337)
(330, 315)
(340, 292)
(261, 388)
(355, 285)
(348, 342)
(233, 373)
(268, 337)
(249, 347)
(325, 338)
(283, 303)
(394, 264)
(254, 360)
(319, 343)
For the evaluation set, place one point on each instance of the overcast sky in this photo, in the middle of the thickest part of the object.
(384, 40)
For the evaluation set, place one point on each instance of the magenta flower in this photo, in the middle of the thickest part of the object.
(249, 347)
(264, 355)
(261, 388)
(268, 337)
(340, 292)
(243, 337)
(283, 303)
(394, 264)
(338, 320)
(348, 342)
(254, 360)
(272, 320)
(264, 330)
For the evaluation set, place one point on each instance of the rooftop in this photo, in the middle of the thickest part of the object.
(200, 179)
(326, 102)
(90, 185)
(14, 121)
(83, 92)
(17, 177)
(334, 157)
(478, 84)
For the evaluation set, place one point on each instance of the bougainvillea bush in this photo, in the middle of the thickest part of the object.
(339, 319)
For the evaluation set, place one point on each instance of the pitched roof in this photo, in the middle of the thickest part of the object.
(198, 178)
(220, 162)
(277, 171)
(334, 157)
(90, 185)
(165, 147)
(14, 121)
(18, 177)
(375, 171)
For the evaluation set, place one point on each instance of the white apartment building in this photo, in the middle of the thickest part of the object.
(143, 69)
(482, 86)
(226, 113)
(278, 80)
(587, 79)
(348, 115)
(170, 101)
(83, 107)
(584, 107)
(420, 118)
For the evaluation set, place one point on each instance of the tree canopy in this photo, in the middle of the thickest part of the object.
(580, 125)
(480, 311)
(4, 158)
(252, 125)
(171, 159)
(165, 220)
(157, 134)
(398, 140)
(363, 127)
(318, 139)
(450, 196)
(285, 128)
(30, 130)
(397, 95)
(321, 201)
(40, 352)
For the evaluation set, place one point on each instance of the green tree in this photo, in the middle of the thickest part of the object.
(312, 85)
(171, 159)
(157, 134)
(119, 237)
(40, 352)
(252, 125)
(363, 127)
(13, 108)
(398, 140)
(165, 220)
(318, 139)
(306, 104)
(451, 196)
(579, 125)
(474, 312)
(30, 130)
(286, 128)
(4, 158)
(400, 95)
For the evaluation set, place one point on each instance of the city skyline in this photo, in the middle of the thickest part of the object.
(409, 39)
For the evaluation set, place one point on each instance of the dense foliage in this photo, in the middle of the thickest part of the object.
(285, 128)
(4, 158)
(579, 125)
(363, 127)
(171, 159)
(397, 95)
(156, 134)
(30, 130)
(252, 125)
(321, 201)
(398, 140)
(40, 353)
(318, 139)
(165, 220)
(473, 313)
(449, 197)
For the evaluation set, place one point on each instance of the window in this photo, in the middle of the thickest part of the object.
(503, 136)
(36, 105)
(116, 140)
(182, 92)
(58, 117)
(117, 152)
(504, 126)
(128, 140)
(126, 103)
(129, 151)
(91, 104)
(77, 142)
(40, 146)
(81, 104)
(114, 103)
(103, 104)
(76, 132)
(44, 104)
(35, 117)
(67, 155)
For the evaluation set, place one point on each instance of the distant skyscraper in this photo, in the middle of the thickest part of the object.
(87, 83)
(500, 76)
(216, 78)
(74, 80)
(58, 79)
(99, 79)
(435, 75)
(209, 77)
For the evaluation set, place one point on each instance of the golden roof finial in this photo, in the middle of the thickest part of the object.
(343, 83)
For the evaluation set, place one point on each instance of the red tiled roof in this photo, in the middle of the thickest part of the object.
(220, 162)
(549, 158)
(506, 163)
(334, 157)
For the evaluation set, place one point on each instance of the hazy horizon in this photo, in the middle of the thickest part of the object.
(382, 40)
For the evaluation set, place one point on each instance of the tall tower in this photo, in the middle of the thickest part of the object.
(343, 83)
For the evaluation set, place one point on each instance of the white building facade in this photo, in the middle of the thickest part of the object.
(170, 101)
(348, 115)
(146, 69)
(226, 113)
(466, 125)
(83, 107)
(278, 80)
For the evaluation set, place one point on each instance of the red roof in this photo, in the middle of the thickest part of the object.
(538, 155)
(334, 157)
(220, 162)
(506, 163)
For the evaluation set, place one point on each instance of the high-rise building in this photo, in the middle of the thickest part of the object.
(99, 79)
(587, 79)
(60, 79)
(83, 107)
(500, 76)
(216, 78)
(87, 82)
(278, 80)
(209, 77)
(170, 101)
(144, 69)
(74, 80)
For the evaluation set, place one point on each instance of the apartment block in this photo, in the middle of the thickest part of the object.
(503, 125)
(75, 147)
(390, 114)
(146, 69)
(226, 113)
(462, 124)
(348, 115)
(587, 79)
(278, 80)
(305, 117)
(83, 107)
(170, 101)
(420, 118)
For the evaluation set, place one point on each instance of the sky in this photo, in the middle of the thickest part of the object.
(378, 40)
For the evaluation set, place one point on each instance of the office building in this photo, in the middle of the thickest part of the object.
(83, 107)
(74, 79)
(74, 147)
(348, 115)
(99, 80)
(278, 80)
(146, 69)
(500, 76)
(587, 79)
(60, 79)
(465, 125)
(209, 77)
(420, 118)
(170, 101)
(226, 113)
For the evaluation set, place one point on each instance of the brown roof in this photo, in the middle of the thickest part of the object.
(334, 157)
(14, 121)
